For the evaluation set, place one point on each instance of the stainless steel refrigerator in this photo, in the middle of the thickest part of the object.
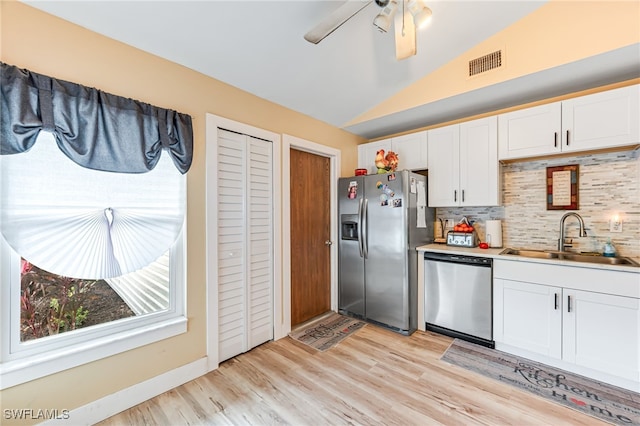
(383, 218)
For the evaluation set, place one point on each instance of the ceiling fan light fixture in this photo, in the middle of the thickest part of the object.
(421, 13)
(385, 18)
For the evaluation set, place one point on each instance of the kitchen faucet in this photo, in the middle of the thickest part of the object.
(583, 233)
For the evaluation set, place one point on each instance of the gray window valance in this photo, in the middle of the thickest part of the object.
(96, 130)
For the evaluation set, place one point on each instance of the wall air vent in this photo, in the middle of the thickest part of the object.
(485, 63)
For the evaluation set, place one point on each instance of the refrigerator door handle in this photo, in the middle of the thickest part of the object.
(365, 234)
(360, 245)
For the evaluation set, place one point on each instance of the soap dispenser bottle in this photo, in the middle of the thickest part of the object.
(609, 250)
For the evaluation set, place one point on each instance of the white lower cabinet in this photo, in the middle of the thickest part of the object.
(541, 312)
(525, 316)
(600, 331)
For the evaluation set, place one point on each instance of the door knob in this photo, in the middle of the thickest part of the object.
(328, 243)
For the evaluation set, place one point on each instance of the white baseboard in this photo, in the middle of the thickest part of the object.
(115, 403)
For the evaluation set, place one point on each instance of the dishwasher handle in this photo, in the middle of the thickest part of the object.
(459, 258)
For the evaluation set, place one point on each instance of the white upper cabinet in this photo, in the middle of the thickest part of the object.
(602, 120)
(479, 166)
(411, 150)
(443, 145)
(529, 132)
(367, 154)
(463, 164)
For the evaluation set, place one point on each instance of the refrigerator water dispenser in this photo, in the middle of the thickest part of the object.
(349, 225)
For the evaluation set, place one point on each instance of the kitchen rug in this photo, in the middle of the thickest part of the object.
(327, 332)
(600, 400)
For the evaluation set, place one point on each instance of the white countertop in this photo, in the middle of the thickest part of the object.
(495, 254)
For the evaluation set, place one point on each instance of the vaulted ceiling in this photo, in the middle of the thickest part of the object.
(258, 46)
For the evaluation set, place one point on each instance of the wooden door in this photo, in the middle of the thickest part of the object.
(310, 231)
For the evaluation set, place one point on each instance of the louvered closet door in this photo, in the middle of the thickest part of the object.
(260, 254)
(245, 243)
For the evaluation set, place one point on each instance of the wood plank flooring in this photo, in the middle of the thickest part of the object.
(374, 377)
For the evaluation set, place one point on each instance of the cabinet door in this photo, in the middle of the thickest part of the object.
(443, 146)
(602, 332)
(260, 258)
(367, 154)
(411, 150)
(232, 249)
(245, 243)
(529, 132)
(602, 120)
(479, 166)
(528, 316)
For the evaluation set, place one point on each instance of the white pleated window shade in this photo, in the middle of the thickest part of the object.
(85, 223)
(146, 290)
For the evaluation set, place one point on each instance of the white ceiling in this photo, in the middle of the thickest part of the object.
(258, 46)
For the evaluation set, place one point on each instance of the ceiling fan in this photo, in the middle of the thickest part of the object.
(407, 15)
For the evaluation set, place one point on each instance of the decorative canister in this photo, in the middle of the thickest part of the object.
(360, 172)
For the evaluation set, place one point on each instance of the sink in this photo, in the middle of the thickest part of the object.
(539, 254)
(574, 257)
(598, 259)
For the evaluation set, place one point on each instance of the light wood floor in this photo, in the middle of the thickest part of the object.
(374, 377)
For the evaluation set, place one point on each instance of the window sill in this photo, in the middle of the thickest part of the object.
(26, 369)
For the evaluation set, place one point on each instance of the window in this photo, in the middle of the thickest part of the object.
(80, 229)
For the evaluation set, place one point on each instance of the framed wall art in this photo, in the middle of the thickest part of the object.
(562, 187)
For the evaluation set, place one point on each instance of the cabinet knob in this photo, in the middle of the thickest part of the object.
(328, 243)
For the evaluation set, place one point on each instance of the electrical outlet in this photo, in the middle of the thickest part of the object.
(615, 225)
(449, 223)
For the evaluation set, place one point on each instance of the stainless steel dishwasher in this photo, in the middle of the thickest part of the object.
(459, 296)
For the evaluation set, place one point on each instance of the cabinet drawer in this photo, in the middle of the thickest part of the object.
(606, 281)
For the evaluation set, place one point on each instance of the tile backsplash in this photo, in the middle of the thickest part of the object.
(608, 185)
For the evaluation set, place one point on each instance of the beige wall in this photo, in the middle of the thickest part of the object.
(45, 44)
(559, 32)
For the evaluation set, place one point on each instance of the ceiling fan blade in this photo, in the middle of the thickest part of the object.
(405, 35)
(335, 20)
